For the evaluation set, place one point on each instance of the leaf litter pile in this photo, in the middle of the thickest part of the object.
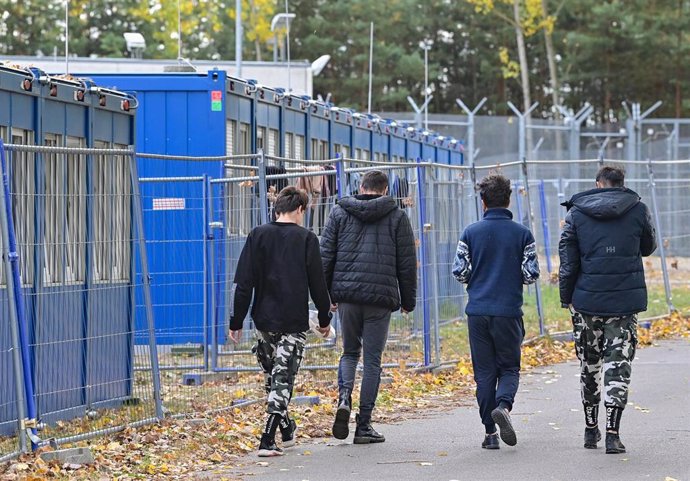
(182, 449)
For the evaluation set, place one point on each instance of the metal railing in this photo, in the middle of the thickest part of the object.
(127, 281)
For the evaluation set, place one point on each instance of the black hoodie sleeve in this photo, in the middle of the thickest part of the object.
(244, 286)
(569, 253)
(648, 238)
(329, 246)
(406, 264)
(317, 281)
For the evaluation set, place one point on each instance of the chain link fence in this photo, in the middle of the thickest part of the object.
(75, 277)
(127, 282)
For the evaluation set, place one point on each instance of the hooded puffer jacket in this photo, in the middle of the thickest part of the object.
(606, 234)
(368, 252)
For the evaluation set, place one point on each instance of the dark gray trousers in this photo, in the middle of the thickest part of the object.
(363, 327)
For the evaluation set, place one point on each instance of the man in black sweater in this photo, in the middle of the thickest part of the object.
(368, 251)
(281, 266)
(607, 232)
(495, 258)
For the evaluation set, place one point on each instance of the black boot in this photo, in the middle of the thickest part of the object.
(268, 447)
(365, 432)
(288, 431)
(613, 423)
(342, 416)
(613, 444)
(592, 433)
(592, 437)
(491, 441)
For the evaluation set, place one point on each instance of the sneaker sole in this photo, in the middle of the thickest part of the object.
(364, 440)
(491, 447)
(340, 425)
(269, 453)
(506, 430)
(615, 451)
(291, 442)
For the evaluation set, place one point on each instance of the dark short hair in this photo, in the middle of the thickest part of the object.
(375, 181)
(612, 176)
(494, 189)
(290, 199)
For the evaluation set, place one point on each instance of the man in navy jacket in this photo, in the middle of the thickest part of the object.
(607, 232)
(495, 258)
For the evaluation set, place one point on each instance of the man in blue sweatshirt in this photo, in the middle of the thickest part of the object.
(495, 258)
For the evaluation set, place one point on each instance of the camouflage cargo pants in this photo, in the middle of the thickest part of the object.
(284, 354)
(608, 343)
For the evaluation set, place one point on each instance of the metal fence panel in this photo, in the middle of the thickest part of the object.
(92, 293)
(82, 238)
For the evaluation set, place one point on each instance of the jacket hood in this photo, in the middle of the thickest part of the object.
(368, 208)
(608, 203)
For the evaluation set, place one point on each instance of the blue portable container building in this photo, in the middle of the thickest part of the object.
(79, 316)
(212, 114)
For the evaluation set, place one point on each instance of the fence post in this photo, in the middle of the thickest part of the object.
(460, 195)
(662, 248)
(146, 284)
(433, 225)
(210, 226)
(205, 249)
(10, 256)
(473, 177)
(530, 219)
(421, 208)
(340, 175)
(263, 199)
(545, 226)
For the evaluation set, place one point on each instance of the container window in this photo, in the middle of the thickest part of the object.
(230, 127)
(261, 139)
(112, 216)
(122, 216)
(299, 147)
(55, 183)
(244, 140)
(315, 152)
(273, 136)
(75, 259)
(22, 169)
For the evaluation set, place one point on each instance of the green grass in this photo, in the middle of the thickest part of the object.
(454, 337)
(558, 319)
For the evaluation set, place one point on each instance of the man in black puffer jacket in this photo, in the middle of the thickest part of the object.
(607, 232)
(368, 252)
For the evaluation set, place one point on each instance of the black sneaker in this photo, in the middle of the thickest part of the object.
(268, 448)
(366, 434)
(592, 437)
(491, 441)
(613, 444)
(342, 418)
(501, 417)
(289, 433)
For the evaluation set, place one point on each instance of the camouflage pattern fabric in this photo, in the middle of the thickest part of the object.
(286, 352)
(607, 343)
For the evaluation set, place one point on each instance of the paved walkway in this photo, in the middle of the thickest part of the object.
(550, 425)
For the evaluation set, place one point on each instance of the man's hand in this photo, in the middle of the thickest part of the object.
(236, 336)
(324, 331)
(334, 307)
